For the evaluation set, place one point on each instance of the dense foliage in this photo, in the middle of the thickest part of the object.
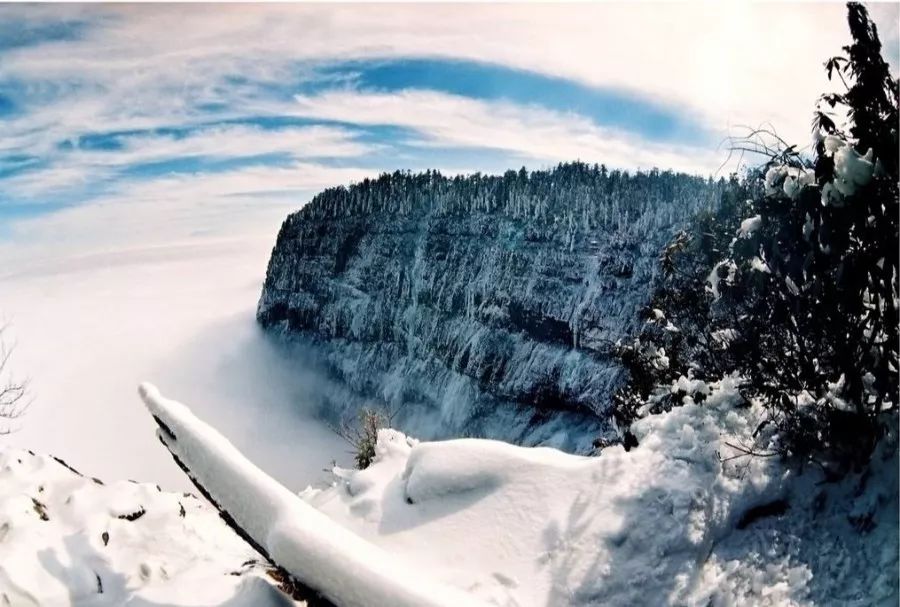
(793, 283)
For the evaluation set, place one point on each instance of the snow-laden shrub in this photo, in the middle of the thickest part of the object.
(799, 268)
(786, 180)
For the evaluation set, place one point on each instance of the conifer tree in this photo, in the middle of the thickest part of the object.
(793, 283)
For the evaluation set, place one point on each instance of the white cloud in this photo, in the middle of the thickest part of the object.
(249, 201)
(88, 329)
(145, 66)
(886, 16)
(246, 201)
(544, 135)
(728, 63)
(80, 167)
(231, 141)
(48, 181)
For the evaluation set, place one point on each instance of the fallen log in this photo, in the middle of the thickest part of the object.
(326, 563)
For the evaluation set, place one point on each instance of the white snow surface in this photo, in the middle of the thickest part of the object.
(715, 278)
(467, 522)
(788, 180)
(65, 540)
(317, 551)
(750, 225)
(523, 527)
(852, 171)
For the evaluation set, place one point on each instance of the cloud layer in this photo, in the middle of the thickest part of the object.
(163, 122)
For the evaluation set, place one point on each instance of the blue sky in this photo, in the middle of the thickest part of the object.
(125, 124)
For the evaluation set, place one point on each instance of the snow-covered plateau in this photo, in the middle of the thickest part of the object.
(678, 520)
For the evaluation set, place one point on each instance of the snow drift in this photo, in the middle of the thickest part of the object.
(679, 520)
(70, 540)
(682, 519)
(311, 547)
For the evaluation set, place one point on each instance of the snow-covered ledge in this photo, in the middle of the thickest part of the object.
(315, 550)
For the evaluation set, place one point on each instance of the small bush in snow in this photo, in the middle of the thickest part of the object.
(362, 434)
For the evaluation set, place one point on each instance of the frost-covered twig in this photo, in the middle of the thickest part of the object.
(13, 394)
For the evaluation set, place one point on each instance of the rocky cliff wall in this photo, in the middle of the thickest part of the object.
(482, 306)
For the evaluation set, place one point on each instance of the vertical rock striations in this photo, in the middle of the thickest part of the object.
(478, 305)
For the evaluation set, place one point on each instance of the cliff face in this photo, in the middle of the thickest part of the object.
(478, 306)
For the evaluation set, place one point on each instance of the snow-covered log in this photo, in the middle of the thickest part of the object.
(313, 549)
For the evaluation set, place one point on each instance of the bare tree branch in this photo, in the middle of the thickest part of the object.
(14, 399)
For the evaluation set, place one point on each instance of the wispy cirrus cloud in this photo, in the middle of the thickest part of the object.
(175, 208)
(106, 105)
(97, 158)
(540, 135)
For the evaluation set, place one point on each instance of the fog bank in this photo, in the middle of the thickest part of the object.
(87, 330)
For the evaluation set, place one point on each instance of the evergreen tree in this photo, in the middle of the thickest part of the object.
(795, 288)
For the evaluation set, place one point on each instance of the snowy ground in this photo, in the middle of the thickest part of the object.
(461, 522)
(88, 329)
(668, 523)
(67, 540)
(659, 525)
